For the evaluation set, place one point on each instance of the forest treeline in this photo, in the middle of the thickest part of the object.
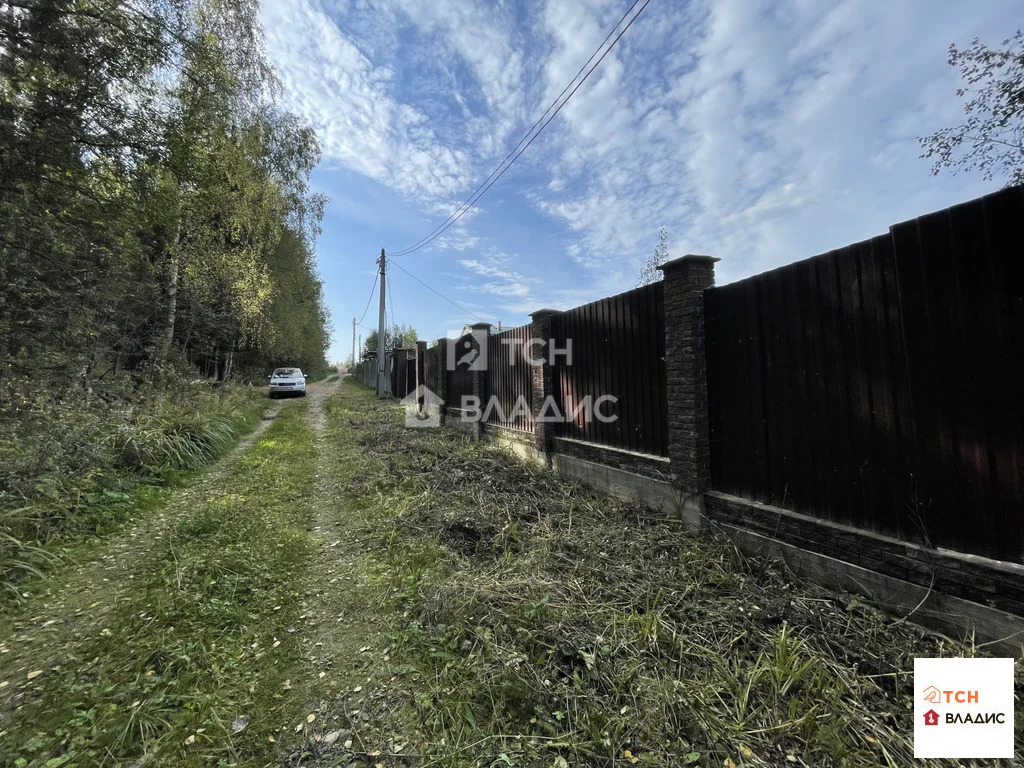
(154, 195)
(156, 250)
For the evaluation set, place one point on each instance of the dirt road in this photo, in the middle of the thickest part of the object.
(342, 590)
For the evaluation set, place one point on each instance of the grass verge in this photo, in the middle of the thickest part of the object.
(191, 666)
(72, 469)
(536, 623)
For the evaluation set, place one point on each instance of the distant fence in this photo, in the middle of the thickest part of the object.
(880, 385)
(617, 348)
(365, 372)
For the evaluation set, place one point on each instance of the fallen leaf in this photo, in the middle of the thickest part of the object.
(190, 740)
(747, 752)
(629, 756)
(357, 689)
(287, 685)
(276, 643)
(34, 674)
(323, 675)
(310, 717)
(271, 739)
(348, 742)
(331, 737)
(299, 727)
(728, 763)
(240, 724)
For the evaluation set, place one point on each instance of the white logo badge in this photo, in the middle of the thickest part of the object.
(963, 708)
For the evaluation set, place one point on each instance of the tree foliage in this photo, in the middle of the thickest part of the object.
(154, 197)
(650, 273)
(991, 138)
(395, 337)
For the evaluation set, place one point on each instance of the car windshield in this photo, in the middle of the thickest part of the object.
(287, 372)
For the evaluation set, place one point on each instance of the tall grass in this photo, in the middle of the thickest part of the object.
(72, 467)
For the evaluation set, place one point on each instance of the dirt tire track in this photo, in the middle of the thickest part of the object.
(80, 597)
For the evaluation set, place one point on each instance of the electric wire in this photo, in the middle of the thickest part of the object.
(500, 171)
(360, 321)
(459, 306)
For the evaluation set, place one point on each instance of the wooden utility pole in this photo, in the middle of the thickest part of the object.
(354, 359)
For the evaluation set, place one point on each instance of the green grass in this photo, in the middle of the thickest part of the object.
(537, 623)
(470, 610)
(72, 471)
(199, 640)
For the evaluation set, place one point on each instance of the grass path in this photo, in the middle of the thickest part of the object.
(152, 651)
(346, 591)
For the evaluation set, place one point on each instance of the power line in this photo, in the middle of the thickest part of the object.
(360, 321)
(500, 170)
(410, 274)
(525, 136)
(391, 299)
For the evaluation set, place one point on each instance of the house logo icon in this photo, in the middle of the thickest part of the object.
(422, 408)
(931, 717)
(932, 695)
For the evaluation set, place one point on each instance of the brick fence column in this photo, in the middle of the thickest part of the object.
(689, 443)
(479, 378)
(421, 378)
(543, 377)
(442, 375)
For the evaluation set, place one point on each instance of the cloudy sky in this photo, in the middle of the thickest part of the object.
(758, 132)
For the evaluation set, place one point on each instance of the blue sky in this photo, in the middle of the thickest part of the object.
(757, 132)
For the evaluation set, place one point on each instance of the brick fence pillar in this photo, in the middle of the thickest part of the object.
(543, 377)
(442, 376)
(689, 443)
(421, 374)
(479, 377)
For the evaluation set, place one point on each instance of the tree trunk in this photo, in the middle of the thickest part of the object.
(171, 287)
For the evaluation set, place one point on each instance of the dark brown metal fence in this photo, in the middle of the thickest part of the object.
(510, 379)
(618, 349)
(460, 378)
(431, 368)
(403, 372)
(880, 385)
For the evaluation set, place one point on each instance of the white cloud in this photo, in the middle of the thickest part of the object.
(351, 103)
(757, 131)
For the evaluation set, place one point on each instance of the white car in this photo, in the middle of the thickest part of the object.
(287, 381)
